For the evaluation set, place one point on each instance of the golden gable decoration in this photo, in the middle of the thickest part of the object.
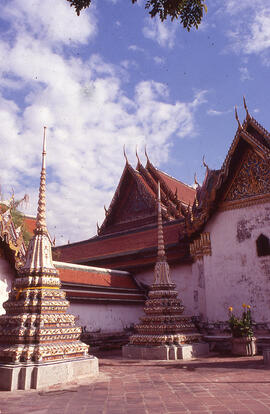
(253, 178)
(201, 247)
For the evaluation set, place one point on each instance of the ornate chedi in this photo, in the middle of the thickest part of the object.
(36, 327)
(164, 328)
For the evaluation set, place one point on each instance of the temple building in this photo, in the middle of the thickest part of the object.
(217, 236)
(217, 243)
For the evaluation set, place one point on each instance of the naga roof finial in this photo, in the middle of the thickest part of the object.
(125, 154)
(147, 158)
(137, 156)
(195, 180)
(204, 163)
(237, 119)
(245, 106)
(41, 214)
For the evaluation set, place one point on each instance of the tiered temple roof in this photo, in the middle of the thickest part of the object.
(126, 240)
(243, 180)
(87, 284)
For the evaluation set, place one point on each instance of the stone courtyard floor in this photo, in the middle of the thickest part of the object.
(213, 385)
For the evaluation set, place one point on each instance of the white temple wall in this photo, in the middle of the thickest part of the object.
(6, 278)
(102, 317)
(182, 276)
(199, 303)
(234, 274)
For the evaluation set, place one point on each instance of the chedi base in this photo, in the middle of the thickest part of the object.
(26, 376)
(165, 352)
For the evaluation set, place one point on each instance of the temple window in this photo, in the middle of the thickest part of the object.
(263, 245)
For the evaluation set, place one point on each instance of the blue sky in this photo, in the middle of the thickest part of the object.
(113, 76)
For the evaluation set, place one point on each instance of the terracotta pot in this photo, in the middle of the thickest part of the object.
(244, 346)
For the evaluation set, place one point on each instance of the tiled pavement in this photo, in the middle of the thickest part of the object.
(214, 385)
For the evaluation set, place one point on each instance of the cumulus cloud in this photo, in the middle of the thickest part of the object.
(50, 20)
(250, 34)
(89, 118)
(161, 32)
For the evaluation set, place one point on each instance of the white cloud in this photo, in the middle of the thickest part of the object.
(244, 74)
(250, 22)
(159, 60)
(161, 32)
(214, 112)
(89, 119)
(135, 48)
(50, 20)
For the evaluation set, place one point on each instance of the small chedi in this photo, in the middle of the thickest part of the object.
(36, 328)
(164, 332)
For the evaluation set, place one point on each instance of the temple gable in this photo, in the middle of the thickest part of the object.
(252, 179)
(133, 204)
(138, 204)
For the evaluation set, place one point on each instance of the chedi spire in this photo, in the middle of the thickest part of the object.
(36, 327)
(39, 252)
(162, 269)
(41, 212)
(163, 330)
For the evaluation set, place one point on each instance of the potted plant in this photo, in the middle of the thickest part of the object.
(243, 340)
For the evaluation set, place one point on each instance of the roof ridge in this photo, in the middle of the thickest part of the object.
(170, 176)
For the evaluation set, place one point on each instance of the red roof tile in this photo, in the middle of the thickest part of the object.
(91, 276)
(185, 193)
(30, 224)
(108, 247)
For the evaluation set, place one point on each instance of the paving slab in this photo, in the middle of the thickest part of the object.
(212, 385)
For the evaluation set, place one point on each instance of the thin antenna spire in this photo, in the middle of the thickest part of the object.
(41, 212)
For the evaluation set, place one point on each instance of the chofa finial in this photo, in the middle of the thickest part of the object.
(237, 119)
(147, 158)
(137, 156)
(204, 163)
(245, 106)
(195, 179)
